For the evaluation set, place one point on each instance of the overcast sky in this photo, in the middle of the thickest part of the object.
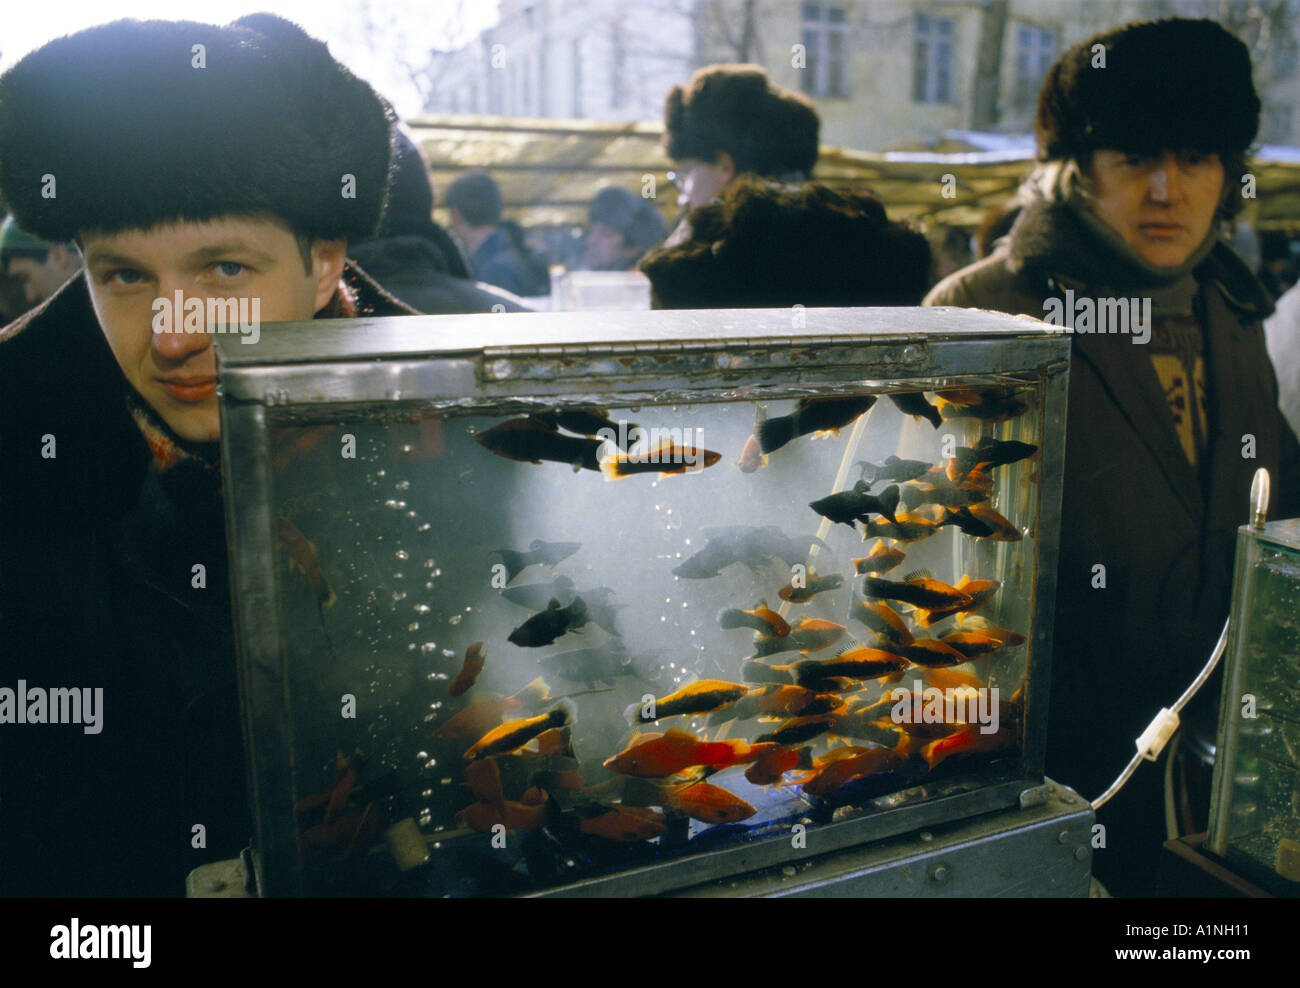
(402, 30)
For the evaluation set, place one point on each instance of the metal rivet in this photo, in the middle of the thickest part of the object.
(939, 874)
(1080, 853)
(926, 835)
(1063, 836)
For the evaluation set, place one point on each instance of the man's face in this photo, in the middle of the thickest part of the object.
(41, 279)
(701, 182)
(1161, 206)
(606, 250)
(231, 257)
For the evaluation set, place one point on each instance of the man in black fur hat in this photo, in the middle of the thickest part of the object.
(1142, 134)
(731, 120)
(187, 161)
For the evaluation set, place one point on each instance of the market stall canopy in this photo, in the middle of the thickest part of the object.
(550, 170)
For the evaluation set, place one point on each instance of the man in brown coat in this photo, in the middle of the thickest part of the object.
(1172, 400)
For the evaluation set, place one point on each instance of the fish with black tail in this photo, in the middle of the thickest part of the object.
(859, 663)
(917, 589)
(667, 460)
(700, 697)
(591, 421)
(798, 730)
(811, 415)
(906, 527)
(882, 619)
(514, 734)
(992, 453)
(807, 635)
(761, 619)
(548, 625)
(528, 440)
(539, 553)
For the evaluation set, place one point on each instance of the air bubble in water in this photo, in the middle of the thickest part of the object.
(424, 528)
(399, 595)
(402, 485)
(422, 608)
(403, 554)
(454, 619)
(448, 653)
(428, 648)
(413, 626)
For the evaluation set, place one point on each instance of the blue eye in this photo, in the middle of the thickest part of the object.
(123, 276)
(230, 269)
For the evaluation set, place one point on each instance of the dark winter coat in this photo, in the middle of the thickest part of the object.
(97, 549)
(413, 269)
(500, 261)
(1134, 504)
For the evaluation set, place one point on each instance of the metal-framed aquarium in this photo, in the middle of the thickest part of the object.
(1255, 804)
(622, 603)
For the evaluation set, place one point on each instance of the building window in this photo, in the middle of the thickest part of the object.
(1035, 52)
(825, 39)
(932, 66)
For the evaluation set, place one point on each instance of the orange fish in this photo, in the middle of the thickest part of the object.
(882, 619)
(347, 772)
(879, 560)
(762, 619)
(302, 557)
(666, 459)
(979, 592)
(966, 741)
(847, 764)
(751, 457)
(1003, 530)
(517, 733)
(656, 756)
(626, 823)
(953, 679)
(484, 780)
(556, 741)
(974, 644)
(931, 652)
(773, 762)
(483, 713)
(807, 635)
(468, 676)
(707, 803)
(483, 816)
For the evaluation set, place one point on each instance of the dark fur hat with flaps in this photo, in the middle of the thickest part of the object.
(130, 125)
(766, 244)
(736, 108)
(1165, 85)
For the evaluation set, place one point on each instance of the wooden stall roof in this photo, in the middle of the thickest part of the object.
(550, 170)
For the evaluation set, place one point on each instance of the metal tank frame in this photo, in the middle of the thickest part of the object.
(339, 368)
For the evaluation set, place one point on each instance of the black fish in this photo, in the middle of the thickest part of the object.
(913, 403)
(993, 453)
(846, 507)
(892, 469)
(550, 624)
(600, 609)
(811, 415)
(529, 440)
(545, 553)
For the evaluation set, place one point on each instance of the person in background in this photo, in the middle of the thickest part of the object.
(496, 248)
(1277, 267)
(1170, 410)
(1282, 332)
(42, 267)
(412, 256)
(729, 120)
(214, 183)
(621, 227)
(768, 244)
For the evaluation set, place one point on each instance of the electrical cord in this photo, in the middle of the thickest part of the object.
(1152, 741)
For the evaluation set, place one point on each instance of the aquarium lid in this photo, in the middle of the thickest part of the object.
(551, 332)
(1285, 533)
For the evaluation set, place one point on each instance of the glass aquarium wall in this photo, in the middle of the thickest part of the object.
(637, 606)
(1255, 815)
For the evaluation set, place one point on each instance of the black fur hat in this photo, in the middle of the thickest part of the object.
(767, 244)
(736, 108)
(137, 126)
(1165, 85)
